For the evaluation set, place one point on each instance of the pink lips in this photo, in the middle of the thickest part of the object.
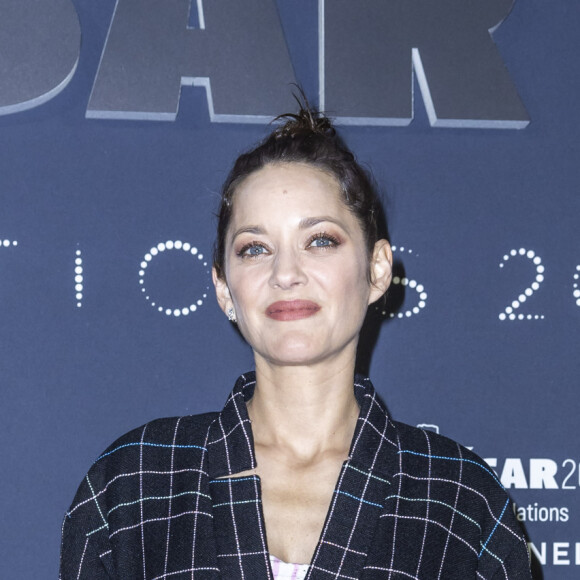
(292, 309)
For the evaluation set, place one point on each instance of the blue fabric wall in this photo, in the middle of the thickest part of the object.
(476, 217)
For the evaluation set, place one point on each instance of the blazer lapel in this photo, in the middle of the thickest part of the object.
(357, 503)
(363, 485)
(240, 537)
(238, 520)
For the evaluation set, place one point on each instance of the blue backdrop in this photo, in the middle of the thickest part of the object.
(109, 319)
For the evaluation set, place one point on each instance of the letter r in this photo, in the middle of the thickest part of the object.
(369, 48)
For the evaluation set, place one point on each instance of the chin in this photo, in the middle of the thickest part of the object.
(293, 353)
(293, 358)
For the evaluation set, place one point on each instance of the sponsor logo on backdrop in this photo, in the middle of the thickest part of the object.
(237, 51)
(556, 479)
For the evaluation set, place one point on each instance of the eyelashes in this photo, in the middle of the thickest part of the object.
(323, 240)
(252, 250)
(320, 241)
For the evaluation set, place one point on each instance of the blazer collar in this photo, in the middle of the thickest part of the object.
(231, 444)
(356, 504)
(375, 443)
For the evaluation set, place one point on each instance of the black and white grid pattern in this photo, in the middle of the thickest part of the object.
(408, 504)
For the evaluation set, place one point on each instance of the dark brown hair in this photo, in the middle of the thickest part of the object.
(306, 137)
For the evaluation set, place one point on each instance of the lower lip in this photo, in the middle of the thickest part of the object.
(294, 310)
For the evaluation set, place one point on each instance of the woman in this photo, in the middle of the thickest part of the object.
(303, 465)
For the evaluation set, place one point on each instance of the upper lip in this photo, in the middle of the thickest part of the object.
(290, 305)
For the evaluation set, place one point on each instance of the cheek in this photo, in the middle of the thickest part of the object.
(351, 282)
(243, 290)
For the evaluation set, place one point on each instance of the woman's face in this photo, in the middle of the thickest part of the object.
(296, 267)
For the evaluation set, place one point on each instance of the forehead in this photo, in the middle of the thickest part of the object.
(278, 191)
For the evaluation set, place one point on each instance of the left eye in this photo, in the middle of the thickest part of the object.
(322, 242)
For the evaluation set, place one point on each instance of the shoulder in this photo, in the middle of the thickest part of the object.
(168, 431)
(420, 444)
(428, 454)
(159, 446)
(159, 437)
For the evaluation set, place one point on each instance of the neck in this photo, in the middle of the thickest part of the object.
(304, 410)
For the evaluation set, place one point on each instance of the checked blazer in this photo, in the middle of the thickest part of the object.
(407, 504)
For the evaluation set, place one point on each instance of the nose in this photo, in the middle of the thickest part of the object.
(287, 270)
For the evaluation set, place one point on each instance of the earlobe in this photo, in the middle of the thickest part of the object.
(222, 291)
(381, 270)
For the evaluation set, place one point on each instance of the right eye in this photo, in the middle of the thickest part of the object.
(252, 250)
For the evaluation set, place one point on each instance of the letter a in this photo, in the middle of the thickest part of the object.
(238, 54)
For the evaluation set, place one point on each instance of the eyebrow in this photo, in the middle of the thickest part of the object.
(257, 230)
(304, 224)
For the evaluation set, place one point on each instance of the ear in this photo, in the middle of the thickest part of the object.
(381, 270)
(222, 291)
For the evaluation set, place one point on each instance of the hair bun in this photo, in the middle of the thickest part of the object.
(304, 122)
